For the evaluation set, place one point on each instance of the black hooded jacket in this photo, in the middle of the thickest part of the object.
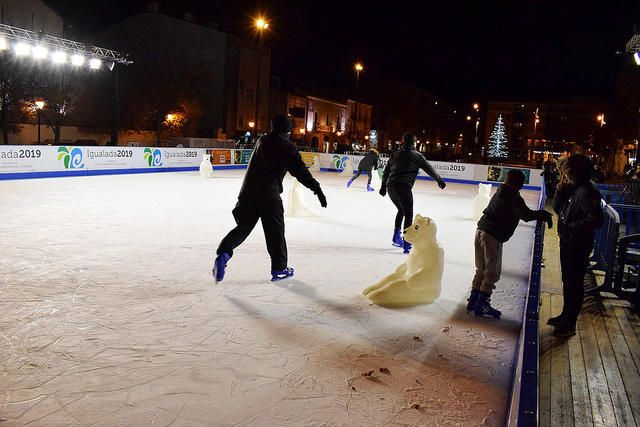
(505, 210)
(579, 210)
(403, 166)
(368, 162)
(274, 156)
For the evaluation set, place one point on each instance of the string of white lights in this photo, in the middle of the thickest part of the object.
(40, 46)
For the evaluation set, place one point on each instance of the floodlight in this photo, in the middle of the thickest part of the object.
(59, 57)
(636, 56)
(39, 52)
(95, 63)
(22, 49)
(77, 60)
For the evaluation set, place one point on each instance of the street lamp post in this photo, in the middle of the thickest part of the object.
(358, 67)
(39, 106)
(261, 25)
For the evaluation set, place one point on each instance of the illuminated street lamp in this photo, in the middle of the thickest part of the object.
(38, 105)
(600, 119)
(170, 117)
(261, 24)
(468, 118)
(358, 67)
(251, 124)
(476, 106)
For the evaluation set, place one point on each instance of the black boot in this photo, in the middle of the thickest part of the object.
(564, 330)
(555, 321)
(483, 306)
(471, 301)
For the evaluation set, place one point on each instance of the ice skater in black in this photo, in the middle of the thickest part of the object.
(259, 198)
(368, 162)
(398, 179)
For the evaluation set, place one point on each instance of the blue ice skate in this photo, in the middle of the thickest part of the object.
(370, 188)
(349, 183)
(406, 247)
(397, 240)
(219, 266)
(281, 274)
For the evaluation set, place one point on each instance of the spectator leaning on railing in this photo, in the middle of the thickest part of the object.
(577, 203)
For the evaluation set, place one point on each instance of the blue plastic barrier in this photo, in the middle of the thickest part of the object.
(524, 393)
(629, 218)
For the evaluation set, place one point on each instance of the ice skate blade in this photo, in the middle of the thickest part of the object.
(282, 275)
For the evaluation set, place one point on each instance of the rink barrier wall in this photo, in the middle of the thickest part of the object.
(524, 399)
(34, 161)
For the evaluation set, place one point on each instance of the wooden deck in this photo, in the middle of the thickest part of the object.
(592, 378)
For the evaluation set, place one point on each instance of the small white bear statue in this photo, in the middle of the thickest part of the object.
(296, 206)
(347, 171)
(315, 166)
(481, 201)
(419, 279)
(206, 168)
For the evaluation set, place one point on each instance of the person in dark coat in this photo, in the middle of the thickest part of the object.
(578, 205)
(368, 162)
(496, 226)
(273, 156)
(398, 179)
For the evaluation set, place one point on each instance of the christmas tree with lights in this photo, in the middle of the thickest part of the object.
(497, 148)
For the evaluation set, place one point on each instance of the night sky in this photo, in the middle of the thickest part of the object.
(524, 50)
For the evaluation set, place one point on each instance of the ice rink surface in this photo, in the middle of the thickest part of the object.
(109, 315)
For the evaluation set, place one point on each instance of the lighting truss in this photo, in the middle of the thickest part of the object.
(71, 47)
(633, 45)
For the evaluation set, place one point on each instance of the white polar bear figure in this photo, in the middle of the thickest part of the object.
(419, 279)
(347, 171)
(315, 166)
(481, 201)
(296, 206)
(376, 182)
(206, 168)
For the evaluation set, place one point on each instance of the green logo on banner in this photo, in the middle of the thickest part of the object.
(71, 157)
(153, 157)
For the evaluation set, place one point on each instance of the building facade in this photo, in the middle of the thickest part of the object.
(323, 124)
(536, 128)
(222, 78)
(32, 15)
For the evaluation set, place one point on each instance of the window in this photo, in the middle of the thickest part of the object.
(327, 122)
(297, 112)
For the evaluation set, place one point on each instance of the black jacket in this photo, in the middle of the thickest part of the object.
(506, 209)
(274, 156)
(579, 210)
(368, 162)
(403, 166)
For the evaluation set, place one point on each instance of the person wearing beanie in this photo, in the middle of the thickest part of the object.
(496, 226)
(368, 162)
(398, 179)
(273, 156)
(577, 203)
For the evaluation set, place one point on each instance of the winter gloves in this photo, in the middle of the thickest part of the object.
(321, 197)
(546, 217)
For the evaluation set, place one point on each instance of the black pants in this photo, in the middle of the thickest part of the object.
(574, 258)
(360, 172)
(246, 214)
(402, 197)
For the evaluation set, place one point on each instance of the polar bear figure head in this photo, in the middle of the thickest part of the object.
(484, 190)
(422, 233)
